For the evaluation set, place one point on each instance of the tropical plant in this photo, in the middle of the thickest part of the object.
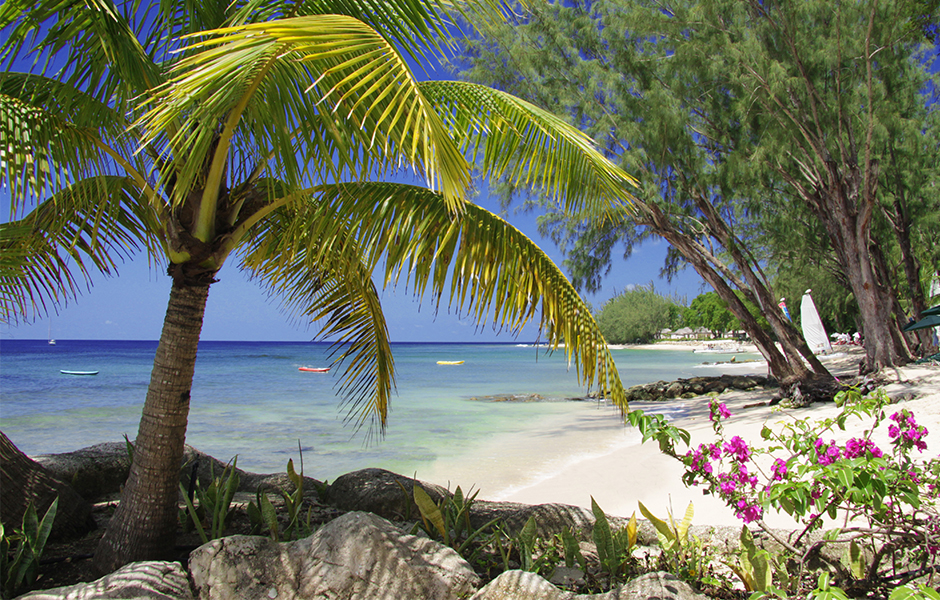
(270, 130)
(880, 501)
(214, 508)
(449, 520)
(262, 514)
(21, 550)
(614, 548)
(683, 553)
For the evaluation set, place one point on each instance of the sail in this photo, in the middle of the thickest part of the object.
(813, 331)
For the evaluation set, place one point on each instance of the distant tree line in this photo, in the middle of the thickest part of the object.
(639, 314)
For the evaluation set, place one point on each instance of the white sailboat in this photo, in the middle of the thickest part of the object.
(813, 331)
(51, 339)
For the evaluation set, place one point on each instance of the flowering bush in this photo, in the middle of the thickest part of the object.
(883, 500)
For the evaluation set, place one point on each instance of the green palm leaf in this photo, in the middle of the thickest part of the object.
(103, 53)
(513, 139)
(331, 79)
(484, 265)
(326, 280)
(89, 227)
(52, 134)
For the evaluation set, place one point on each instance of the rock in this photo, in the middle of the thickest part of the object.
(380, 492)
(521, 585)
(93, 472)
(659, 586)
(746, 382)
(696, 386)
(358, 555)
(549, 518)
(101, 470)
(152, 580)
(674, 390)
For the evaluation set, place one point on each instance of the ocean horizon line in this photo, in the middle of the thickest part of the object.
(315, 342)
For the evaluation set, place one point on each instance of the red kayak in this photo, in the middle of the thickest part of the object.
(315, 369)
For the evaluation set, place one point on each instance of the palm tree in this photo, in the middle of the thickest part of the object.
(274, 131)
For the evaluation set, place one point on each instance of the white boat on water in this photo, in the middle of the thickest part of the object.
(719, 349)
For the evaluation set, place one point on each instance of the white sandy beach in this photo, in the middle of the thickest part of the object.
(594, 454)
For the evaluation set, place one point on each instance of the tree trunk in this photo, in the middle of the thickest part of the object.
(900, 220)
(144, 525)
(793, 344)
(850, 230)
(787, 373)
(25, 481)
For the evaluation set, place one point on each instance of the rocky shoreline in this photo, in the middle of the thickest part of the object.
(364, 546)
(656, 391)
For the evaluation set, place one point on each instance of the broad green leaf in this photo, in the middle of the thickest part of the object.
(572, 548)
(682, 532)
(661, 526)
(430, 512)
(603, 537)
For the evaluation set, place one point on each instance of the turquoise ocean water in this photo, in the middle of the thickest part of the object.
(250, 399)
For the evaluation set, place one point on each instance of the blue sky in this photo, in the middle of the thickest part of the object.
(131, 306)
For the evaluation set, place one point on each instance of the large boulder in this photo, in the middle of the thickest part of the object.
(358, 555)
(152, 580)
(99, 471)
(520, 585)
(94, 472)
(382, 493)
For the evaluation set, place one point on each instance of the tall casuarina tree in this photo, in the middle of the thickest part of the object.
(736, 109)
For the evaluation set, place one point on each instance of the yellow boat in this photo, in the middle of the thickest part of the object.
(450, 362)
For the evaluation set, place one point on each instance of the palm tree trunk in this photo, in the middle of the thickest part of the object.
(144, 525)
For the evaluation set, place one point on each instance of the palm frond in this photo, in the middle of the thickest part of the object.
(510, 138)
(337, 82)
(414, 26)
(483, 264)
(103, 55)
(52, 134)
(326, 281)
(88, 227)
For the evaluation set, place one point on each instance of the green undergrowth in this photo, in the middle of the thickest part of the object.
(892, 491)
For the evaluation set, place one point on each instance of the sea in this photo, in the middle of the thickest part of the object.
(250, 400)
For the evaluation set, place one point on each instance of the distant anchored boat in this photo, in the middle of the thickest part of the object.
(314, 369)
(719, 349)
(65, 372)
(450, 362)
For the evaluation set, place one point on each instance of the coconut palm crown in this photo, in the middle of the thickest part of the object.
(273, 132)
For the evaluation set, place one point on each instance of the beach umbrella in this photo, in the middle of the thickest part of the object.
(931, 311)
(932, 320)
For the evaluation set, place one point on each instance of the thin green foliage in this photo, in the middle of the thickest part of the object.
(614, 548)
(449, 520)
(210, 517)
(263, 514)
(21, 550)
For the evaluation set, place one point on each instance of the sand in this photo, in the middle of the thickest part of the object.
(594, 454)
